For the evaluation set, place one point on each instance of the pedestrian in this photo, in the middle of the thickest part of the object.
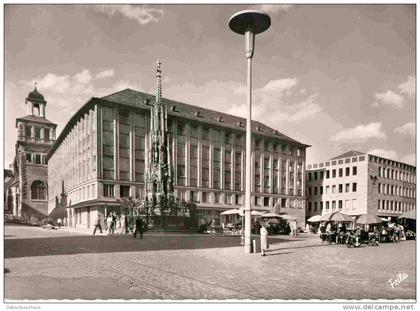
(295, 230)
(59, 223)
(328, 229)
(264, 240)
(139, 228)
(109, 224)
(97, 224)
(114, 222)
(117, 224)
(123, 224)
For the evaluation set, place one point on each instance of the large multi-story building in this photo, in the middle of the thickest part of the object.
(99, 159)
(36, 135)
(358, 183)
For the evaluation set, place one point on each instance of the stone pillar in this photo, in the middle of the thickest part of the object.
(261, 159)
(304, 179)
(252, 168)
(116, 145)
(210, 160)
(132, 154)
(222, 161)
(187, 155)
(295, 175)
(287, 175)
(271, 172)
(199, 158)
(32, 132)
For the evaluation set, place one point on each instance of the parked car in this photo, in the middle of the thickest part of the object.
(48, 223)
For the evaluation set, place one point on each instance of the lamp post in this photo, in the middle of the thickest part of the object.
(249, 23)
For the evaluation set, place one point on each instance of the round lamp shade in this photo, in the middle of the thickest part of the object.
(249, 20)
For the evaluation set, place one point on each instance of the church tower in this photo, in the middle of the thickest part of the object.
(159, 179)
(36, 135)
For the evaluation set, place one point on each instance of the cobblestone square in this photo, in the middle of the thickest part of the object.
(60, 264)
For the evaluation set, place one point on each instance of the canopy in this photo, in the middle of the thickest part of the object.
(256, 213)
(288, 217)
(336, 216)
(240, 212)
(367, 219)
(315, 218)
(408, 215)
(230, 212)
(271, 215)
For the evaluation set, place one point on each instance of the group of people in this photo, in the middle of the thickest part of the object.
(391, 232)
(117, 224)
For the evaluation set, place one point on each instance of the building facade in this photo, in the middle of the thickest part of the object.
(357, 183)
(99, 159)
(36, 135)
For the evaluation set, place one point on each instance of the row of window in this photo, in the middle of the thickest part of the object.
(396, 190)
(396, 175)
(347, 171)
(35, 158)
(227, 198)
(395, 206)
(336, 205)
(35, 133)
(83, 193)
(336, 162)
(341, 188)
(216, 136)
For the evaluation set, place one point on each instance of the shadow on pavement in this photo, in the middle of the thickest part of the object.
(69, 245)
(277, 253)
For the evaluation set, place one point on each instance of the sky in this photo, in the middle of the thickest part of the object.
(336, 77)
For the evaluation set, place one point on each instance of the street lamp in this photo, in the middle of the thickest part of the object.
(249, 23)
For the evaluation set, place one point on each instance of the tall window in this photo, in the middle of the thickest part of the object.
(193, 165)
(238, 168)
(228, 169)
(108, 190)
(124, 191)
(140, 131)
(124, 145)
(205, 167)
(38, 190)
(181, 175)
(108, 142)
(216, 168)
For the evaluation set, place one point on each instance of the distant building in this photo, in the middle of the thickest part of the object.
(36, 135)
(99, 159)
(359, 183)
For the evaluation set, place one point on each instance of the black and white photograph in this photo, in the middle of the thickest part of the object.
(209, 153)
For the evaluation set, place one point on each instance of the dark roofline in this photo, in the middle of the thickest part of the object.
(69, 125)
(170, 103)
(374, 155)
(141, 106)
(33, 118)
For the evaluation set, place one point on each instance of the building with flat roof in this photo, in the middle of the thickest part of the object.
(99, 159)
(358, 183)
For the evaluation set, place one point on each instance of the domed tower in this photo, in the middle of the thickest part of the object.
(36, 135)
(35, 103)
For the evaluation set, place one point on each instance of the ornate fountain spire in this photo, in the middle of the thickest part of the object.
(158, 82)
(159, 181)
